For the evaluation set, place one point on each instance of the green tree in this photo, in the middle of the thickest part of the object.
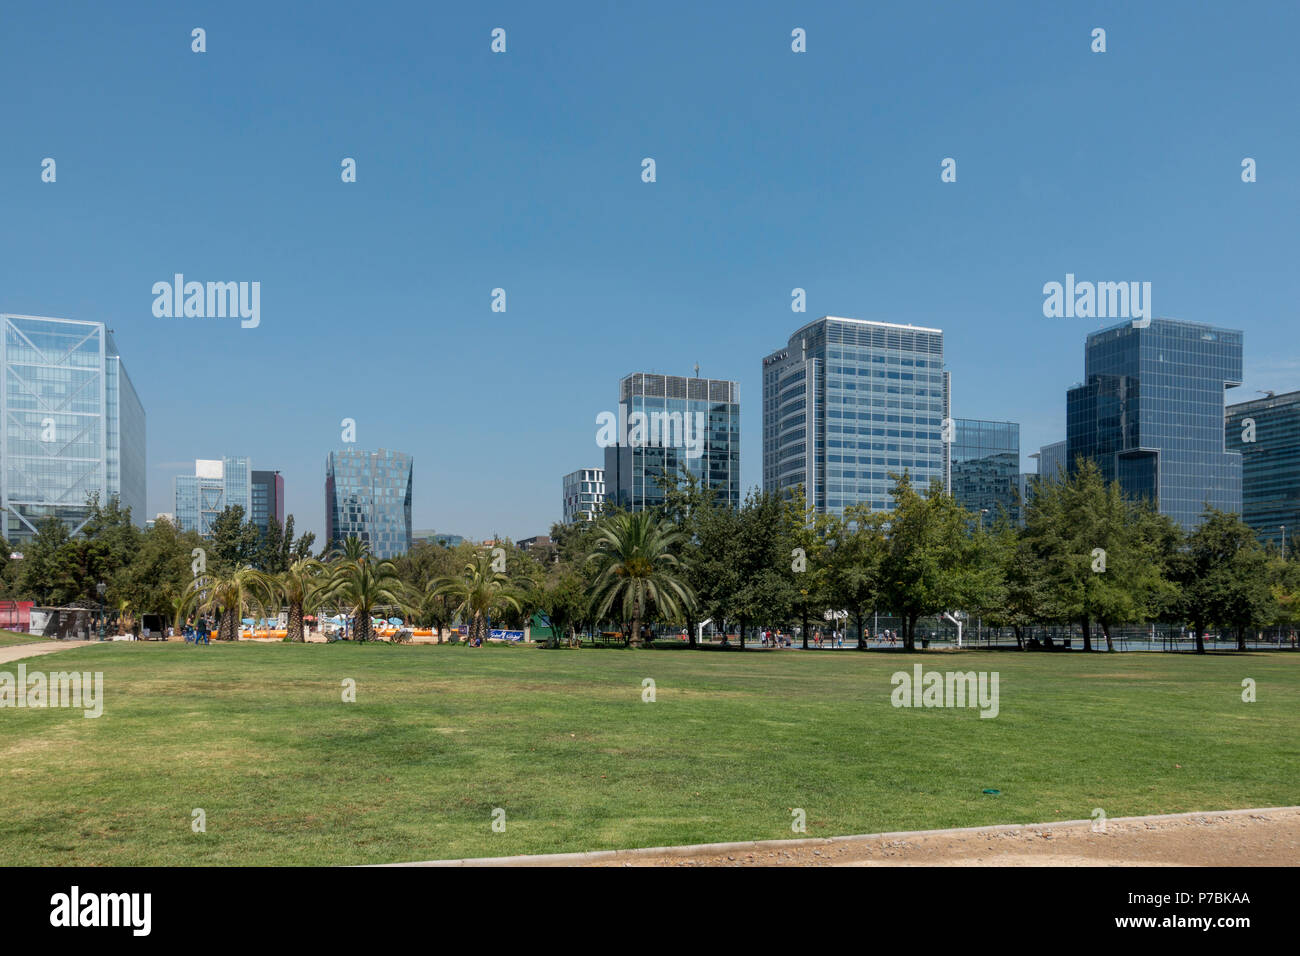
(230, 594)
(301, 586)
(477, 592)
(1223, 574)
(637, 569)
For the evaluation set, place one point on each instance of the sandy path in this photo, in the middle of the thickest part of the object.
(1239, 838)
(16, 652)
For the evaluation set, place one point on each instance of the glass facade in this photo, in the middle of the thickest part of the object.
(846, 403)
(368, 494)
(266, 497)
(1052, 461)
(217, 484)
(584, 494)
(1266, 433)
(1150, 412)
(986, 468)
(71, 424)
(632, 469)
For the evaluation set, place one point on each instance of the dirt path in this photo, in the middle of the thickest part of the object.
(1237, 838)
(16, 652)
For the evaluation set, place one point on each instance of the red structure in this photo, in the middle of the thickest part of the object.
(16, 615)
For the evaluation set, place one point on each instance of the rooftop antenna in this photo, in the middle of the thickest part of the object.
(697, 369)
(1267, 394)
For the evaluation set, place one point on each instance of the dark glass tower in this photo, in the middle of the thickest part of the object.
(1266, 432)
(674, 407)
(368, 494)
(1150, 412)
(986, 468)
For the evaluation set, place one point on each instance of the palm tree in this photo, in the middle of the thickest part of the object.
(351, 549)
(363, 585)
(477, 591)
(635, 568)
(301, 587)
(231, 594)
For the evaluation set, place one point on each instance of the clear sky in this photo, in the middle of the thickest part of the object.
(522, 171)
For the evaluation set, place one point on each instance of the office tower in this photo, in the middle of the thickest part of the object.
(440, 538)
(71, 424)
(986, 468)
(584, 494)
(667, 423)
(267, 499)
(1051, 460)
(1150, 412)
(368, 494)
(847, 403)
(217, 484)
(1266, 433)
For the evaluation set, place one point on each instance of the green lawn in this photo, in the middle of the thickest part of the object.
(259, 737)
(9, 638)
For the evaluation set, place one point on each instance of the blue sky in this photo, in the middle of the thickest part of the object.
(522, 171)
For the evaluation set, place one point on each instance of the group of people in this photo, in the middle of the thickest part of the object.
(196, 633)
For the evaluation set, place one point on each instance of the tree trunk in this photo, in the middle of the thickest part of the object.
(1105, 629)
(1087, 635)
(805, 627)
(1241, 638)
(295, 623)
(361, 631)
(857, 617)
(635, 638)
(742, 634)
(1020, 638)
(228, 629)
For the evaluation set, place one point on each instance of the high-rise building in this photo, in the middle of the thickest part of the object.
(71, 424)
(1150, 412)
(267, 499)
(667, 423)
(368, 494)
(584, 494)
(217, 484)
(1052, 462)
(847, 403)
(985, 467)
(1266, 433)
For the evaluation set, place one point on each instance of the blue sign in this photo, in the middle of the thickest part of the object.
(500, 635)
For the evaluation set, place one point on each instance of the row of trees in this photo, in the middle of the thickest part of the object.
(1086, 556)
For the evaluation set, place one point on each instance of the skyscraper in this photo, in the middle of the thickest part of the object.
(267, 499)
(1052, 462)
(846, 403)
(670, 422)
(71, 424)
(1266, 433)
(986, 468)
(584, 494)
(368, 494)
(1150, 412)
(217, 484)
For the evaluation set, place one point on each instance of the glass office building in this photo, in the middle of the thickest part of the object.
(1150, 412)
(584, 494)
(847, 403)
(71, 424)
(691, 423)
(1052, 462)
(985, 468)
(217, 484)
(1266, 433)
(368, 494)
(266, 498)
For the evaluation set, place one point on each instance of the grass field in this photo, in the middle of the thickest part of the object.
(258, 736)
(10, 638)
